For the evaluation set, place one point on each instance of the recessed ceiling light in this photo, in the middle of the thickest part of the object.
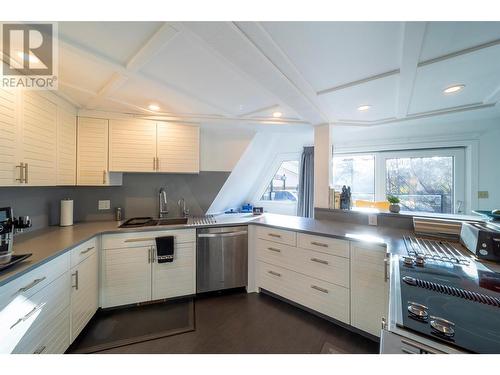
(363, 108)
(453, 89)
(277, 114)
(154, 107)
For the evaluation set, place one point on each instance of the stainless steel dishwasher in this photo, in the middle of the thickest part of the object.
(221, 258)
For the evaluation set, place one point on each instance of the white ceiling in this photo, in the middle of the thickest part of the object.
(312, 72)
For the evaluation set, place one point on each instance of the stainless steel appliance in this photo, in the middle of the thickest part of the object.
(443, 300)
(221, 258)
(6, 234)
(482, 239)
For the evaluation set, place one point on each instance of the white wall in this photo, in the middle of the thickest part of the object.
(255, 168)
(221, 148)
(485, 173)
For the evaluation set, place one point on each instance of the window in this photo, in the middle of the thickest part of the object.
(284, 184)
(422, 183)
(358, 172)
(424, 180)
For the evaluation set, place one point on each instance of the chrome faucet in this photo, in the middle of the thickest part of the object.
(162, 203)
(182, 207)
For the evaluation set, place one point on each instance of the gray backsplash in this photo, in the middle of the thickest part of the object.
(138, 196)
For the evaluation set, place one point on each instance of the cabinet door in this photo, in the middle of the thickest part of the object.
(369, 287)
(84, 294)
(39, 139)
(132, 146)
(8, 138)
(66, 147)
(178, 148)
(177, 278)
(126, 276)
(92, 155)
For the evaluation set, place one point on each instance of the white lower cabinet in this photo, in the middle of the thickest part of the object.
(84, 292)
(369, 286)
(345, 280)
(131, 273)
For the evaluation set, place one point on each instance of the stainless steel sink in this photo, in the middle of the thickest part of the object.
(149, 222)
(171, 221)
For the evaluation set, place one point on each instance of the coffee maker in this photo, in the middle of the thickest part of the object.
(6, 234)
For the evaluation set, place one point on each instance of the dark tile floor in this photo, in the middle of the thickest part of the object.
(255, 323)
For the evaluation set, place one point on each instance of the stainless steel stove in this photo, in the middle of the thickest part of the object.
(444, 300)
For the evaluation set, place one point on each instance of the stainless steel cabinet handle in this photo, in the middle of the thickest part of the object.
(319, 244)
(31, 285)
(274, 249)
(40, 350)
(104, 177)
(274, 273)
(86, 251)
(149, 255)
(28, 315)
(319, 261)
(21, 172)
(323, 290)
(153, 252)
(157, 164)
(25, 173)
(139, 239)
(386, 268)
(154, 164)
(223, 234)
(274, 235)
(75, 274)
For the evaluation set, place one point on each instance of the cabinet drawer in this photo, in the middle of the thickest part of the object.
(327, 245)
(326, 298)
(330, 268)
(22, 318)
(147, 238)
(28, 284)
(51, 338)
(277, 235)
(83, 251)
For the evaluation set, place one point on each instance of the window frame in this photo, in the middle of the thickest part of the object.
(380, 172)
(269, 174)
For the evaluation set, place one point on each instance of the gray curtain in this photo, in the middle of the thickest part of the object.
(305, 206)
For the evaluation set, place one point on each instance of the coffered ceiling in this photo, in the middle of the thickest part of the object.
(311, 72)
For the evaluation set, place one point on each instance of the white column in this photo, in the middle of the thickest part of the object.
(322, 164)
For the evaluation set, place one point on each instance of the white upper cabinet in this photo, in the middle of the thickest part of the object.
(66, 147)
(92, 155)
(132, 146)
(38, 139)
(8, 138)
(178, 148)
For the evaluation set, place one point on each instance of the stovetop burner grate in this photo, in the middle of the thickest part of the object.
(434, 249)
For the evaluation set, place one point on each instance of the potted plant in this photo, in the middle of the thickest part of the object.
(394, 203)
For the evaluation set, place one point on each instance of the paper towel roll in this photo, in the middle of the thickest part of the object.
(66, 213)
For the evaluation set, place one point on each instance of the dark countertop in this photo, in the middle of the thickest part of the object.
(46, 244)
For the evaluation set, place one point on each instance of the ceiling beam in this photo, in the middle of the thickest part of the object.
(412, 42)
(122, 70)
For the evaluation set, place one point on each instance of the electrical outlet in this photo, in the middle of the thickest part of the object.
(104, 205)
(372, 220)
(483, 195)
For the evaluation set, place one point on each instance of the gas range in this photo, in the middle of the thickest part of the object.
(447, 296)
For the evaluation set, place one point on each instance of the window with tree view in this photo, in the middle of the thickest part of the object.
(284, 184)
(421, 183)
(428, 180)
